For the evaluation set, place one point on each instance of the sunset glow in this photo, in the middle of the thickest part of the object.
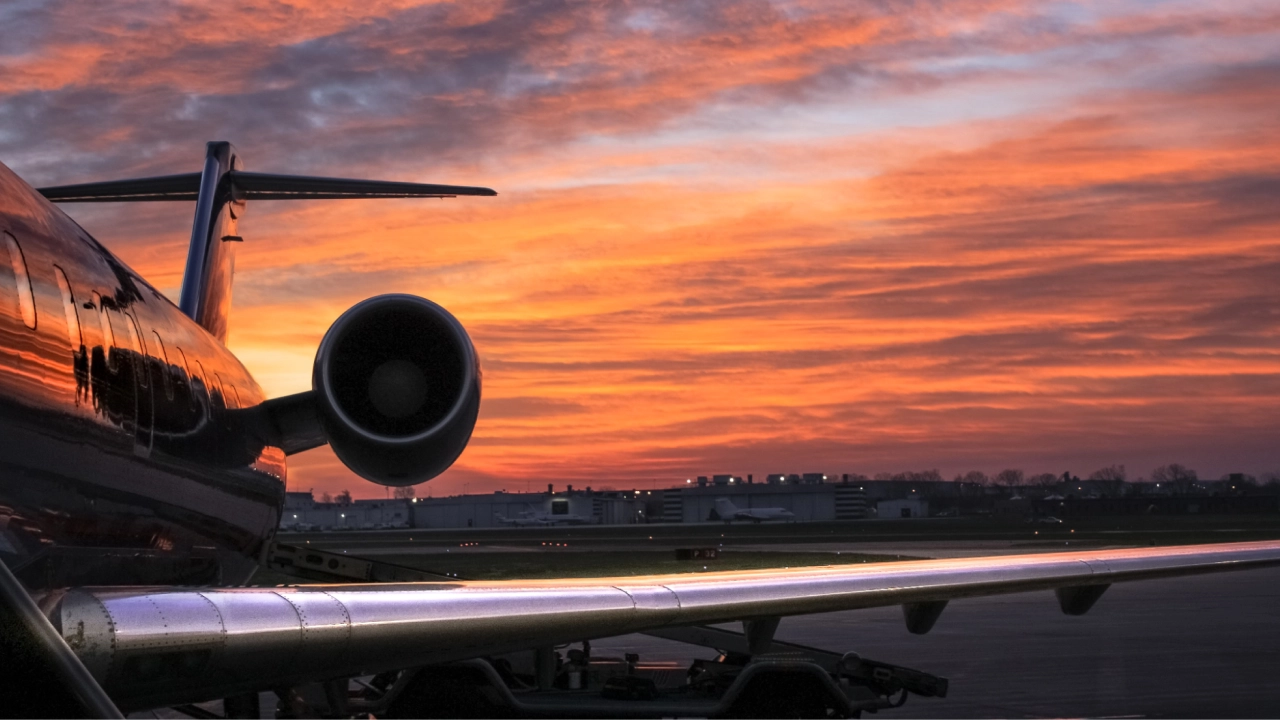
(735, 237)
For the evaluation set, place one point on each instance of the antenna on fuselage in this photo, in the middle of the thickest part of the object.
(220, 192)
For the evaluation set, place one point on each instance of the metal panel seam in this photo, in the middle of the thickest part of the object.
(302, 623)
(346, 614)
(1098, 566)
(676, 595)
(222, 621)
(111, 633)
(635, 605)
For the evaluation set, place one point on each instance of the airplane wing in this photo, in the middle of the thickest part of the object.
(153, 647)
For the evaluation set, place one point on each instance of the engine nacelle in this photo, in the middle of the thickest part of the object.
(397, 386)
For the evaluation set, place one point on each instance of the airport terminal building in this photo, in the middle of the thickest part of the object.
(812, 498)
(816, 500)
(498, 509)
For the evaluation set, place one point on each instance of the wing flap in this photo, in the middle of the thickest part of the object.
(388, 627)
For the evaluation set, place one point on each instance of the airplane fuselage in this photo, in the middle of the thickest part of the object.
(127, 454)
(764, 514)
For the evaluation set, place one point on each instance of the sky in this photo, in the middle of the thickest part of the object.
(731, 237)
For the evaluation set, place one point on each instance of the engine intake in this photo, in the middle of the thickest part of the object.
(397, 385)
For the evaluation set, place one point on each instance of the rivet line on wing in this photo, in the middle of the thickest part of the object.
(111, 632)
(222, 622)
(634, 604)
(302, 618)
(346, 616)
(164, 622)
(302, 626)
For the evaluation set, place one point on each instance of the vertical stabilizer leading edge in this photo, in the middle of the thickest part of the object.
(211, 256)
(220, 192)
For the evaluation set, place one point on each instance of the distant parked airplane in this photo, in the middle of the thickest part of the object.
(542, 517)
(730, 512)
(523, 520)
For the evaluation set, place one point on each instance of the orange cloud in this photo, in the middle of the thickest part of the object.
(749, 238)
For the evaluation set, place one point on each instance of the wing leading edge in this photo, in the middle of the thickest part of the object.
(241, 639)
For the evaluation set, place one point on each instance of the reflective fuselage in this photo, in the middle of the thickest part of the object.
(127, 455)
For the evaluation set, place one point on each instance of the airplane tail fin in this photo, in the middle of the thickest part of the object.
(724, 508)
(220, 192)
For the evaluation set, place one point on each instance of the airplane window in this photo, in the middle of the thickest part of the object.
(130, 334)
(108, 337)
(163, 357)
(230, 397)
(191, 385)
(140, 347)
(69, 305)
(26, 300)
(204, 381)
(222, 390)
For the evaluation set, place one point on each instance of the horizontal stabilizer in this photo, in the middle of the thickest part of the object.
(166, 187)
(263, 186)
(252, 186)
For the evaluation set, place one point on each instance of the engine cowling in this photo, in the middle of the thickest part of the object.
(397, 386)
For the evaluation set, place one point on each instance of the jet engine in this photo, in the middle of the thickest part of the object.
(397, 389)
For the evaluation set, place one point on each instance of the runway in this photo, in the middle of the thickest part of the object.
(1205, 646)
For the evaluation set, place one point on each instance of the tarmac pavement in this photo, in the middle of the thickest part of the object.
(1205, 646)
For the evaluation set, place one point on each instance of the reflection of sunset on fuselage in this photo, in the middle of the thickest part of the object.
(851, 240)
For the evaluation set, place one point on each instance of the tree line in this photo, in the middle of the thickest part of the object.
(1110, 480)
